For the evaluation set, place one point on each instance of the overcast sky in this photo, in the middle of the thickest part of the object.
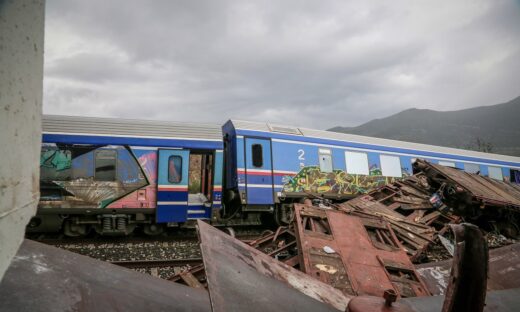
(305, 63)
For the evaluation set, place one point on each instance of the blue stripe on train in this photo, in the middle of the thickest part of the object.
(217, 195)
(344, 144)
(172, 213)
(172, 196)
(198, 216)
(112, 140)
(194, 212)
(260, 196)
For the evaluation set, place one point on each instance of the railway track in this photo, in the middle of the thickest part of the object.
(146, 264)
(185, 235)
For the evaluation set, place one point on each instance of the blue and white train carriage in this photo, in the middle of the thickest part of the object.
(267, 165)
(113, 175)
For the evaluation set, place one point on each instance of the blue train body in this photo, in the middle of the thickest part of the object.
(294, 161)
(113, 175)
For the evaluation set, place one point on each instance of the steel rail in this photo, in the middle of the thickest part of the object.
(135, 264)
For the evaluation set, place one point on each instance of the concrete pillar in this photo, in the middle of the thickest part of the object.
(21, 84)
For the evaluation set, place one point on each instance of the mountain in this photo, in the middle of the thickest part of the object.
(496, 127)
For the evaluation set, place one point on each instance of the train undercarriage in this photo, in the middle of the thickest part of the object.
(122, 222)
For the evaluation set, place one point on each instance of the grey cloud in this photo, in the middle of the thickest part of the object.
(306, 63)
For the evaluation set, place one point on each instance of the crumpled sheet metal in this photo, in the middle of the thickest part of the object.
(45, 278)
(241, 278)
(483, 189)
(468, 276)
(504, 271)
(405, 205)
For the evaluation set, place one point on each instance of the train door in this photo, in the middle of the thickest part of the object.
(172, 185)
(200, 184)
(259, 173)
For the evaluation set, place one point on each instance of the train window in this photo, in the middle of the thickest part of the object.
(471, 168)
(447, 163)
(515, 176)
(357, 163)
(105, 164)
(391, 166)
(175, 169)
(325, 160)
(495, 173)
(258, 159)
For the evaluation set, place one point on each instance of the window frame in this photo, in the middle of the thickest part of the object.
(180, 171)
(359, 153)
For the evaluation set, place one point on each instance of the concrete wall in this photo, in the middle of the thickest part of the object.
(21, 83)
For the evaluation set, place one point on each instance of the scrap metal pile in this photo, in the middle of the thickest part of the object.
(368, 247)
(367, 254)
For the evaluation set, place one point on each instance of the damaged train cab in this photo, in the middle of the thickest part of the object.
(111, 175)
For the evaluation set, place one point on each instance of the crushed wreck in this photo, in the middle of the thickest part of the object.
(372, 253)
(370, 248)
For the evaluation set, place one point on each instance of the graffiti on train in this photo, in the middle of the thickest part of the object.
(85, 176)
(312, 179)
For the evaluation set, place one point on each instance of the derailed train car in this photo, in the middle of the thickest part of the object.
(268, 167)
(113, 175)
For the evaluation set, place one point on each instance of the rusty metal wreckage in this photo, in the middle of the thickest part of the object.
(354, 256)
(366, 247)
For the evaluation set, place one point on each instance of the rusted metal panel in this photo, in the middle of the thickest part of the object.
(406, 206)
(468, 277)
(504, 270)
(280, 245)
(467, 288)
(45, 278)
(241, 278)
(337, 248)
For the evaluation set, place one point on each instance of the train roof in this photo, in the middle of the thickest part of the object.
(61, 124)
(276, 129)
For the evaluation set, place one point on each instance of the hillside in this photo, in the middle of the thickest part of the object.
(498, 125)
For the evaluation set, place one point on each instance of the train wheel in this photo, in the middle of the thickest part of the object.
(153, 229)
(74, 230)
(284, 214)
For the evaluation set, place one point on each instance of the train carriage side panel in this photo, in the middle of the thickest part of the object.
(304, 153)
(258, 171)
(288, 159)
(100, 166)
(145, 197)
(217, 178)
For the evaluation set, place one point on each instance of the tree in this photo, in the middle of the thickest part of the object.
(480, 145)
